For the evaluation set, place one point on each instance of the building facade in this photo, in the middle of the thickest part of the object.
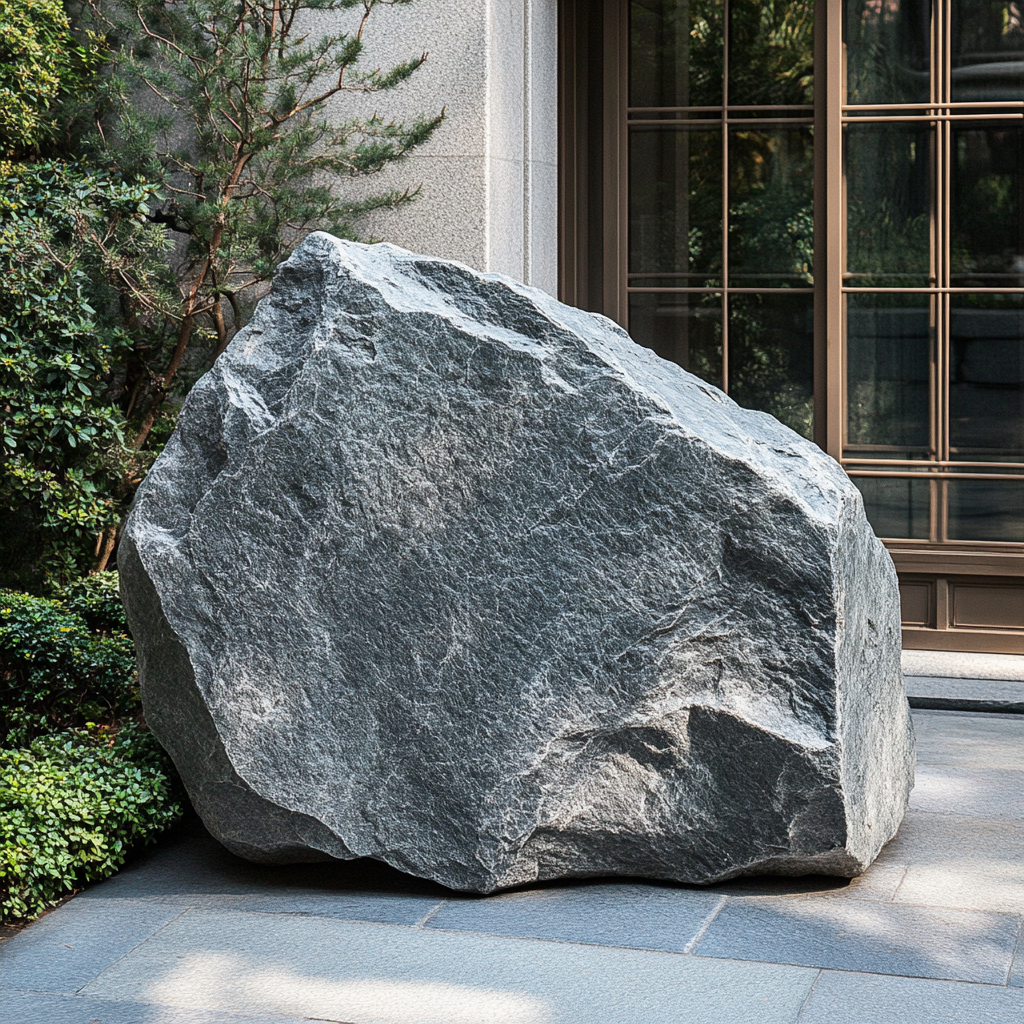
(816, 206)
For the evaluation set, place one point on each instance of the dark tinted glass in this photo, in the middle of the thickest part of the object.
(771, 356)
(888, 347)
(676, 53)
(986, 510)
(896, 506)
(987, 40)
(988, 212)
(675, 203)
(771, 52)
(986, 378)
(888, 189)
(771, 207)
(887, 50)
(684, 328)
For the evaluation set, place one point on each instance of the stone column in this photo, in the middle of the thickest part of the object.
(489, 175)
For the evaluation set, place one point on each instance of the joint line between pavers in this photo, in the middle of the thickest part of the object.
(899, 885)
(810, 992)
(153, 933)
(705, 924)
(1018, 951)
(430, 913)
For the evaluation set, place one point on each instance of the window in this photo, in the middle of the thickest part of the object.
(933, 281)
(719, 273)
(819, 207)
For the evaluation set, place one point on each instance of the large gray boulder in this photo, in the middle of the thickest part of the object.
(440, 571)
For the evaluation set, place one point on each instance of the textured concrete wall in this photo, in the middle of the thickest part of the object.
(489, 175)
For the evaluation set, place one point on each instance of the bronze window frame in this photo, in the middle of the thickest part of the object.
(593, 218)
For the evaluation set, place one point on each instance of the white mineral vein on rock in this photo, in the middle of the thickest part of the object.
(440, 571)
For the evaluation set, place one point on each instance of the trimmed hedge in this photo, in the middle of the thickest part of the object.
(72, 807)
(82, 782)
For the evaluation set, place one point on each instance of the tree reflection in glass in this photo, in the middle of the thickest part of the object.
(888, 204)
(675, 203)
(888, 376)
(888, 47)
(675, 51)
(685, 328)
(771, 356)
(771, 52)
(896, 507)
(676, 194)
(986, 377)
(771, 207)
(988, 205)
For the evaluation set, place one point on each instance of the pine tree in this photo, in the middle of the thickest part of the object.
(250, 159)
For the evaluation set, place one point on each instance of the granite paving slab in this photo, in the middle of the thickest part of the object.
(969, 740)
(71, 945)
(844, 998)
(982, 792)
(881, 938)
(343, 971)
(1016, 979)
(961, 665)
(640, 916)
(194, 870)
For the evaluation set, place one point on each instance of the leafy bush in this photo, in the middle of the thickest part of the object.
(55, 672)
(98, 600)
(40, 62)
(65, 229)
(72, 807)
(75, 797)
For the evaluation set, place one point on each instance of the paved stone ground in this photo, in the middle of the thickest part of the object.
(930, 935)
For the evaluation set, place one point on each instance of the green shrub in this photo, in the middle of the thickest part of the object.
(56, 673)
(73, 806)
(97, 599)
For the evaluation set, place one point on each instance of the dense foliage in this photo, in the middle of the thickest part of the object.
(68, 235)
(41, 63)
(97, 599)
(81, 781)
(56, 673)
(73, 806)
(135, 237)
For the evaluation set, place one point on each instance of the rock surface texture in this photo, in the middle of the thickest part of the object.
(440, 571)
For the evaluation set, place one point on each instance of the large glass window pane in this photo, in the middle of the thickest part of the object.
(986, 510)
(676, 53)
(986, 378)
(887, 50)
(896, 507)
(888, 189)
(771, 52)
(987, 40)
(988, 211)
(685, 328)
(771, 207)
(771, 356)
(888, 371)
(675, 203)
